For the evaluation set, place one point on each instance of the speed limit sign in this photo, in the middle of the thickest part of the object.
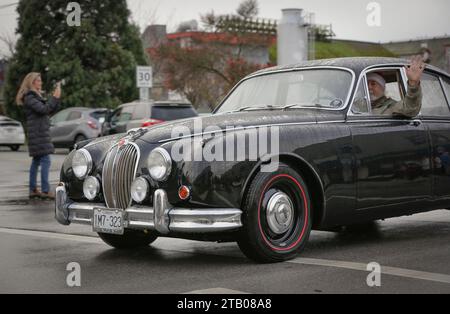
(144, 77)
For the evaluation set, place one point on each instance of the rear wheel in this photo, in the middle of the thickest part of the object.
(276, 218)
(15, 148)
(131, 239)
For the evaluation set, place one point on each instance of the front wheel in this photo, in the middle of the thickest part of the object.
(277, 217)
(15, 148)
(131, 239)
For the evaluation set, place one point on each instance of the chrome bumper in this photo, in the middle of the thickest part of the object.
(163, 217)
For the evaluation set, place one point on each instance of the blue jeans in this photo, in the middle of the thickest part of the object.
(44, 162)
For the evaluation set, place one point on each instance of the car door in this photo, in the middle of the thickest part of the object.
(392, 155)
(436, 116)
(70, 126)
(57, 126)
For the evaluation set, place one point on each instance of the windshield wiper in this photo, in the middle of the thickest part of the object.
(256, 108)
(304, 106)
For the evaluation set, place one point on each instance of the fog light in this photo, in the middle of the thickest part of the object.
(184, 193)
(139, 190)
(91, 188)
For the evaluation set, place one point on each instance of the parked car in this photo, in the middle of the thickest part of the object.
(12, 134)
(74, 125)
(146, 114)
(338, 164)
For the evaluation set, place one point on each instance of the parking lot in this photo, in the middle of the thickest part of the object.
(413, 253)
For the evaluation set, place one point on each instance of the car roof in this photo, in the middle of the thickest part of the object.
(356, 64)
(85, 109)
(168, 103)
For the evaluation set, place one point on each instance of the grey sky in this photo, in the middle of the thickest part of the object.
(400, 19)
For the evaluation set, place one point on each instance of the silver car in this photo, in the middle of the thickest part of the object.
(146, 114)
(12, 134)
(75, 125)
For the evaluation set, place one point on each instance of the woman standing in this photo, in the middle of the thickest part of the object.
(38, 112)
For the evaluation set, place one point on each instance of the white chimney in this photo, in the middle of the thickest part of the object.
(292, 37)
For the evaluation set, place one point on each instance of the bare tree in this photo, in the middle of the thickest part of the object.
(9, 41)
(248, 9)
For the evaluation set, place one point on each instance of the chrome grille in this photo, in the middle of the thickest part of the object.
(119, 172)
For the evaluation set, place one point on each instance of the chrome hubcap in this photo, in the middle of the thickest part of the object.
(280, 213)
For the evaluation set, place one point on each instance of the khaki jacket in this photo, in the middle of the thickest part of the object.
(409, 107)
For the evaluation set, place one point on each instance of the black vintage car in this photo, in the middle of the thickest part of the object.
(336, 163)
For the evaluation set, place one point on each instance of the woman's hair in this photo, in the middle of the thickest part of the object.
(26, 86)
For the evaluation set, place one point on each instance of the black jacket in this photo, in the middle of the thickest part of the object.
(37, 112)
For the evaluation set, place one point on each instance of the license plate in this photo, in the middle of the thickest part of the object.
(10, 130)
(108, 221)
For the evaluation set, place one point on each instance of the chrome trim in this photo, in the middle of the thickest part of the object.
(118, 194)
(295, 69)
(447, 96)
(280, 213)
(162, 217)
(161, 207)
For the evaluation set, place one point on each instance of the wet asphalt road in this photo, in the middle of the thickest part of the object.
(414, 253)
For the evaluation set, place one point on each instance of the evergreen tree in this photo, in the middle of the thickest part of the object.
(97, 59)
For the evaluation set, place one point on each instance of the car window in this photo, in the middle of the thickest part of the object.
(74, 115)
(169, 113)
(60, 116)
(360, 104)
(433, 102)
(98, 114)
(140, 112)
(393, 86)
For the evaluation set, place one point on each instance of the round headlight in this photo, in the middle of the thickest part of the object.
(159, 164)
(91, 188)
(82, 163)
(139, 190)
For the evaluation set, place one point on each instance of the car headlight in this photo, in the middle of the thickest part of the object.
(82, 163)
(91, 188)
(159, 164)
(139, 190)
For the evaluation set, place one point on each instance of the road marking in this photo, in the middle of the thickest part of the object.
(52, 235)
(393, 271)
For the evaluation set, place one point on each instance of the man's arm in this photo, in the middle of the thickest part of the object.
(412, 104)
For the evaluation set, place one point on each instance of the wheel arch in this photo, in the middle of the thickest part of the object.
(309, 175)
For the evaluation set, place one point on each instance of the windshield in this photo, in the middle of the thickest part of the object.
(321, 88)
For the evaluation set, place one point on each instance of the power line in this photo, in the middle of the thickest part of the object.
(5, 6)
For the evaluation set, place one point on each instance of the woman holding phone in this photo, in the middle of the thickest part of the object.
(38, 112)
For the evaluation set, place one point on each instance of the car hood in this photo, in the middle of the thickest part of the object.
(171, 131)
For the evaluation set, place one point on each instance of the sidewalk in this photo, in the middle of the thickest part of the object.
(14, 173)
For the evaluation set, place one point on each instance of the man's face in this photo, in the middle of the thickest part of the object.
(376, 90)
